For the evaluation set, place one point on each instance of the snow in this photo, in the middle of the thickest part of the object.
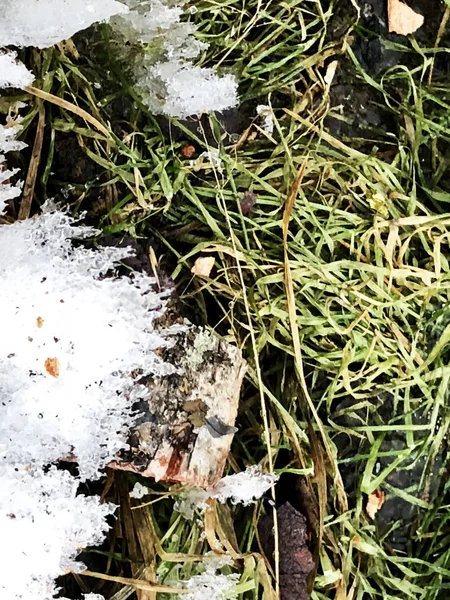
(212, 156)
(164, 75)
(45, 525)
(190, 502)
(242, 488)
(211, 584)
(8, 143)
(13, 73)
(43, 23)
(70, 340)
(138, 491)
(192, 90)
(154, 38)
(265, 113)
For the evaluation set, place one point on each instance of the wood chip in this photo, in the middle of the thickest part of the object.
(402, 19)
(374, 502)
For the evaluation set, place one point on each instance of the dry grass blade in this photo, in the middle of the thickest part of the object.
(30, 181)
(73, 108)
(136, 584)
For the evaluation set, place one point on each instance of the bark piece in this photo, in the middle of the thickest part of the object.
(296, 561)
(375, 501)
(187, 424)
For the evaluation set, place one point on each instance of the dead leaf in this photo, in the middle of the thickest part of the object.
(374, 502)
(248, 202)
(203, 266)
(52, 366)
(402, 19)
(188, 151)
(39, 322)
(330, 73)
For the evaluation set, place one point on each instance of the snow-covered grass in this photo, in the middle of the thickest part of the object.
(149, 34)
(336, 313)
(8, 143)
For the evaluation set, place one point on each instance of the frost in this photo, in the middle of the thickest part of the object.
(43, 23)
(191, 501)
(210, 584)
(46, 525)
(8, 143)
(265, 114)
(70, 341)
(138, 491)
(244, 488)
(212, 156)
(13, 73)
(203, 342)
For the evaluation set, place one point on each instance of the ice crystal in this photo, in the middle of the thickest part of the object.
(188, 89)
(138, 491)
(241, 488)
(244, 488)
(191, 501)
(211, 584)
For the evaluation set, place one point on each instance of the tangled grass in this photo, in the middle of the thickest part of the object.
(335, 285)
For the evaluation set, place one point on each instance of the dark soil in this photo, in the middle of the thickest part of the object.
(363, 107)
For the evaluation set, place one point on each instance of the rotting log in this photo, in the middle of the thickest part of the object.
(186, 423)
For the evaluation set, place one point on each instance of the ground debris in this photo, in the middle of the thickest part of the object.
(296, 561)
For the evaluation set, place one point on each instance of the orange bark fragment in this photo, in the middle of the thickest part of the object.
(52, 366)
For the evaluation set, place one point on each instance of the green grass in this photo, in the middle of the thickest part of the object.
(336, 287)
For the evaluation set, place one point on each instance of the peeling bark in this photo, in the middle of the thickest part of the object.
(187, 421)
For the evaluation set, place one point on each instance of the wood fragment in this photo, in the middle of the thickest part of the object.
(187, 424)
